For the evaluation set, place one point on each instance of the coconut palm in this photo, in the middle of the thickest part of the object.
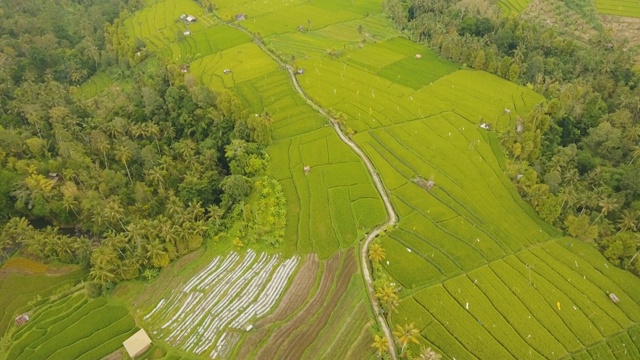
(380, 344)
(426, 353)
(387, 295)
(628, 220)
(123, 154)
(376, 253)
(406, 334)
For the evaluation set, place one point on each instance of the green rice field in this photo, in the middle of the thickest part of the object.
(481, 274)
(630, 8)
(27, 289)
(72, 327)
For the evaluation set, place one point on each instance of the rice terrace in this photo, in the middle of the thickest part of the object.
(388, 183)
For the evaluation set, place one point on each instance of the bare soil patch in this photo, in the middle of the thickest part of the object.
(295, 337)
(280, 336)
(297, 293)
(623, 28)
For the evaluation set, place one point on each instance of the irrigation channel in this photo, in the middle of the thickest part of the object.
(393, 217)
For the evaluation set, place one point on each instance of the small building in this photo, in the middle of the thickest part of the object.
(307, 169)
(137, 344)
(241, 16)
(183, 17)
(300, 71)
(485, 125)
(418, 56)
(614, 298)
(249, 328)
(227, 71)
(184, 68)
(519, 127)
(186, 33)
(190, 18)
(22, 319)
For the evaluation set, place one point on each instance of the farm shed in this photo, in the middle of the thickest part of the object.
(137, 344)
(22, 319)
(191, 18)
(241, 16)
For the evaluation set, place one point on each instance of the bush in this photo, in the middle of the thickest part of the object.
(93, 289)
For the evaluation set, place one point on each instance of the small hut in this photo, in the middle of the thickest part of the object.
(485, 125)
(307, 169)
(22, 319)
(507, 111)
(418, 56)
(614, 298)
(227, 71)
(424, 183)
(186, 33)
(240, 17)
(190, 18)
(300, 71)
(519, 127)
(137, 344)
(184, 68)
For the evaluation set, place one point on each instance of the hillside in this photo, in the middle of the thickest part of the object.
(371, 136)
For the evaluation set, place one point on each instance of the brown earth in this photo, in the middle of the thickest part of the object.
(300, 289)
(297, 293)
(291, 340)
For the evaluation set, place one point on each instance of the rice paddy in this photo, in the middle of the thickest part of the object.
(627, 8)
(481, 274)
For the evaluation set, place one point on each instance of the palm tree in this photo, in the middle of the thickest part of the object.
(628, 220)
(156, 254)
(376, 253)
(100, 142)
(406, 334)
(426, 353)
(123, 154)
(387, 295)
(156, 176)
(380, 344)
(113, 211)
(214, 212)
(153, 130)
(607, 204)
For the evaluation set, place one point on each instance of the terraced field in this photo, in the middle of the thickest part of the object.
(482, 275)
(323, 312)
(513, 6)
(627, 8)
(73, 327)
(209, 313)
(28, 282)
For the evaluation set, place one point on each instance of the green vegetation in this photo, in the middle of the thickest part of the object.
(149, 163)
(28, 291)
(72, 326)
(618, 7)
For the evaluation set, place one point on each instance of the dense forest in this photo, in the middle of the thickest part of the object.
(132, 178)
(575, 157)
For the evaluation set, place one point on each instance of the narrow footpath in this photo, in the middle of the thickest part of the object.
(393, 217)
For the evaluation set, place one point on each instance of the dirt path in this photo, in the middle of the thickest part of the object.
(393, 217)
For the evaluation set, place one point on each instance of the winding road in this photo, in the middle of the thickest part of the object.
(393, 217)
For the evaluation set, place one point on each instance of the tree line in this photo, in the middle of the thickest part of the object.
(574, 157)
(134, 177)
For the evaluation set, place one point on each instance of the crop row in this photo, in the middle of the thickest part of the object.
(230, 293)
